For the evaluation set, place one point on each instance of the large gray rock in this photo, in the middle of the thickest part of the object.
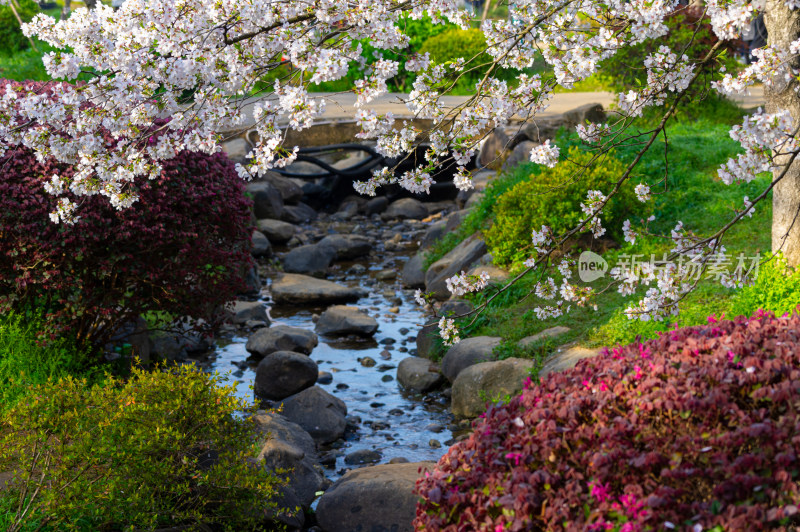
(318, 413)
(494, 148)
(347, 247)
(551, 332)
(298, 214)
(243, 311)
(261, 245)
(340, 320)
(432, 234)
(281, 338)
(290, 191)
(418, 375)
(267, 200)
(413, 276)
(284, 373)
(490, 381)
(276, 231)
(311, 259)
(520, 154)
(376, 205)
(295, 289)
(566, 358)
(377, 498)
(590, 112)
(540, 130)
(457, 260)
(468, 352)
(287, 446)
(405, 208)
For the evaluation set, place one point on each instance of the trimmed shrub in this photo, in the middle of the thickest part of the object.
(164, 449)
(456, 43)
(181, 249)
(552, 197)
(11, 37)
(697, 428)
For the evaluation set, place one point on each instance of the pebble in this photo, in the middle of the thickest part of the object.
(385, 367)
(435, 444)
(378, 425)
(404, 331)
(434, 427)
(324, 378)
(394, 310)
(386, 355)
(342, 386)
(387, 378)
(367, 362)
(396, 412)
(387, 341)
(386, 275)
(377, 405)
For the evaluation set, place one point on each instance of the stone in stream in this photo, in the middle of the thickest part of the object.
(468, 352)
(367, 362)
(284, 373)
(376, 205)
(373, 498)
(319, 413)
(276, 231)
(362, 456)
(296, 289)
(287, 446)
(298, 214)
(342, 320)
(413, 276)
(347, 247)
(311, 259)
(418, 375)
(324, 377)
(289, 190)
(261, 246)
(459, 259)
(267, 200)
(281, 338)
(488, 381)
(405, 208)
(243, 311)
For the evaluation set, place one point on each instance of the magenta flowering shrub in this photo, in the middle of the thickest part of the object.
(180, 249)
(695, 430)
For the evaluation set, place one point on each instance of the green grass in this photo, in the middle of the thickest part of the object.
(26, 360)
(693, 194)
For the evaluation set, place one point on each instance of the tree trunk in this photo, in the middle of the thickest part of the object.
(783, 27)
(90, 4)
(65, 9)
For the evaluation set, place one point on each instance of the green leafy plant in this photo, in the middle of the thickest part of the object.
(25, 362)
(776, 288)
(165, 448)
(551, 198)
(11, 37)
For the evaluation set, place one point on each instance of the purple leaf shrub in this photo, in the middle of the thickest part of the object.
(695, 430)
(181, 248)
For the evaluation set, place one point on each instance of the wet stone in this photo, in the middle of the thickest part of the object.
(376, 405)
(367, 362)
(404, 331)
(434, 427)
(342, 386)
(396, 412)
(362, 456)
(386, 367)
(386, 378)
(387, 341)
(324, 378)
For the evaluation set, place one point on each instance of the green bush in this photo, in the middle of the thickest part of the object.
(776, 289)
(553, 198)
(455, 43)
(165, 448)
(11, 37)
(26, 362)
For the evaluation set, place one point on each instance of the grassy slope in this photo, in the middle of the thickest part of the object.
(694, 195)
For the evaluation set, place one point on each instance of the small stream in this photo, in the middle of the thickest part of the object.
(381, 417)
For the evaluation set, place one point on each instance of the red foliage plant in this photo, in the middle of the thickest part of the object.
(697, 430)
(180, 249)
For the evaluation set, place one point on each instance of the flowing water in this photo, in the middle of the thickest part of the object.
(386, 419)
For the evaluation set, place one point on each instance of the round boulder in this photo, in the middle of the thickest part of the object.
(418, 375)
(341, 319)
(281, 338)
(284, 373)
(311, 259)
(276, 230)
(347, 247)
(319, 413)
(406, 208)
(468, 352)
(374, 498)
(488, 381)
(293, 289)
